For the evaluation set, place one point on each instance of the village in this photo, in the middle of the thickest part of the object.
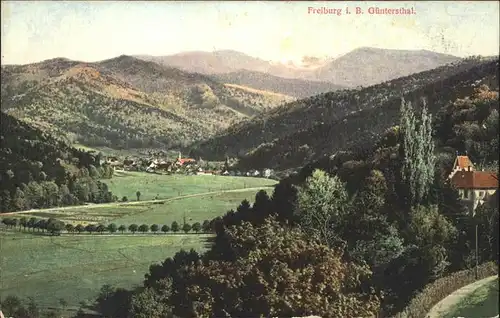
(160, 164)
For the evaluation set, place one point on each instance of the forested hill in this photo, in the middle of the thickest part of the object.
(288, 86)
(125, 102)
(306, 130)
(39, 171)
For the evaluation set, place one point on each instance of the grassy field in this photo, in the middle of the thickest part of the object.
(169, 186)
(75, 267)
(482, 303)
(196, 209)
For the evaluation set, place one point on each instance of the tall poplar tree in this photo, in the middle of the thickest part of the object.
(418, 152)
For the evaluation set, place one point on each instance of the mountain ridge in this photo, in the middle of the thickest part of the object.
(124, 98)
(349, 65)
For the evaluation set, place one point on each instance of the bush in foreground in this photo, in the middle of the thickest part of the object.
(260, 271)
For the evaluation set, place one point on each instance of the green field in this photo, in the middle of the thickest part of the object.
(169, 186)
(482, 303)
(196, 209)
(75, 267)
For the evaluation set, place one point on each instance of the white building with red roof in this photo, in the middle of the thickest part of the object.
(474, 187)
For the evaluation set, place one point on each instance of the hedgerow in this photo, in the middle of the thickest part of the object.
(433, 293)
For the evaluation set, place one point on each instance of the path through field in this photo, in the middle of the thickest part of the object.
(112, 204)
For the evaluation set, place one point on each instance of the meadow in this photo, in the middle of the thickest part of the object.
(168, 186)
(74, 268)
(196, 209)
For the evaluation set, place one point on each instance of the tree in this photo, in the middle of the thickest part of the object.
(138, 195)
(12, 306)
(133, 228)
(154, 228)
(175, 227)
(90, 228)
(276, 271)
(428, 235)
(54, 226)
(63, 303)
(23, 222)
(165, 228)
(19, 200)
(143, 228)
(186, 227)
(124, 199)
(112, 228)
(150, 303)
(41, 225)
(322, 207)
(197, 227)
(70, 228)
(113, 303)
(206, 226)
(419, 160)
(122, 228)
(31, 223)
(79, 228)
(101, 228)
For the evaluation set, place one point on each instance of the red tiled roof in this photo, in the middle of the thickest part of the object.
(475, 180)
(181, 161)
(463, 162)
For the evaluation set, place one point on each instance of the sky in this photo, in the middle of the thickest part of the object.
(89, 31)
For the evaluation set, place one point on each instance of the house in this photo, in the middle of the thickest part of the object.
(474, 187)
(181, 161)
(461, 163)
(267, 173)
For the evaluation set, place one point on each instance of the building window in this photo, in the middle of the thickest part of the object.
(466, 193)
(481, 193)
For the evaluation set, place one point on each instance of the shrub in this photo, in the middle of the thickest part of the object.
(433, 293)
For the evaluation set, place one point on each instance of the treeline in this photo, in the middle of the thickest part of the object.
(358, 238)
(41, 172)
(54, 226)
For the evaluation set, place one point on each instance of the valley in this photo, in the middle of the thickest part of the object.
(90, 260)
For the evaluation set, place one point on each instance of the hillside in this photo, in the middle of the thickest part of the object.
(124, 102)
(40, 171)
(308, 129)
(361, 67)
(287, 86)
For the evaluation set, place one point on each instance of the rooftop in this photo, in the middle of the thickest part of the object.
(475, 180)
